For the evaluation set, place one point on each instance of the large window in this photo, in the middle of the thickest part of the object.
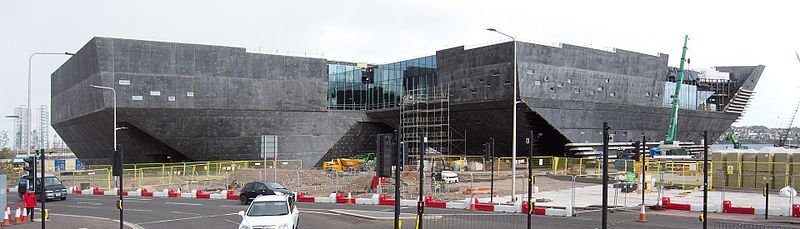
(347, 92)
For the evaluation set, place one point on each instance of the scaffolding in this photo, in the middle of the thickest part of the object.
(425, 119)
(44, 129)
(20, 127)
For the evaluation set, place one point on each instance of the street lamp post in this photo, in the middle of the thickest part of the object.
(29, 131)
(114, 92)
(514, 121)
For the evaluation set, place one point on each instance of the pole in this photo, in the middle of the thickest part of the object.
(491, 182)
(29, 131)
(420, 203)
(605, 175)
(642, 157)
(397, 182)
(44, 190)
(274, 158)
(766, 200)
(644, 165)
(530, 178)
(121, 162)
(514, 129)
(28, 121)
(705, 179)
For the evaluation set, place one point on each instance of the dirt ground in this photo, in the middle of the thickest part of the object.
(320, 183)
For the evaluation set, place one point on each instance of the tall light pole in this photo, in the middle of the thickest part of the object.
(119, 204)
(514, 121)
(114, 92)
(30, 133)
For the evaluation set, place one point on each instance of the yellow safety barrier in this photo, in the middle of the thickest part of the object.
(165, 175)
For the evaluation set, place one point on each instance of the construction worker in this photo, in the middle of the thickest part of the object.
(29, 199)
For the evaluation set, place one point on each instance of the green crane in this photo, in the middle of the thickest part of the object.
(673, 125)
(732, 138)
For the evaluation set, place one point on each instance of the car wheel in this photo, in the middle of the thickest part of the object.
(63, 198)
(243, 200)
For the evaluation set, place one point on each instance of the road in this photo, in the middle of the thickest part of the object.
(148, 212)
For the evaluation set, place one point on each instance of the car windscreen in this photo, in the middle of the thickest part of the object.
(50, 181)
(268, 208)
(273, 186)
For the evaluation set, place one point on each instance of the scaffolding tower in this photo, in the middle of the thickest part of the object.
(44, 129)
(20, 127)
(425, 114)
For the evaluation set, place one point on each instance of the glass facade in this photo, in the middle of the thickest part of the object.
(347, 92)
(690, 97)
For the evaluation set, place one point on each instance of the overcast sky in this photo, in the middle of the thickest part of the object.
(722, 33)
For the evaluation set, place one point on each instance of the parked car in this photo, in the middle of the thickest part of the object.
(53, 187)
(271, 211)
(449, 177)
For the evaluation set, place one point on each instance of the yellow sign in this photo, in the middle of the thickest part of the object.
(730, 170)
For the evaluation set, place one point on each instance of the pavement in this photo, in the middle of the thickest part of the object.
(150, 212)
(591, 196)
(75, 221)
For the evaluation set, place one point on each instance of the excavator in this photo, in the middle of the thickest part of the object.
(732, 138)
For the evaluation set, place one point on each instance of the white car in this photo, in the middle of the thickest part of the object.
(270, 212)
(449, 177)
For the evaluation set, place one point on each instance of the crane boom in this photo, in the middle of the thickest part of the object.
(673, 125)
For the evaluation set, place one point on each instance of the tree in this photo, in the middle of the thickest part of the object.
(6, 153)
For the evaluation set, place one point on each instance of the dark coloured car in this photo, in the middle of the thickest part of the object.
(253, 189)
(54, 189)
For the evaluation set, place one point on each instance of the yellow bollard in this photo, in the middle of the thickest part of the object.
(400, 224)
(46, 214)
(417, 226)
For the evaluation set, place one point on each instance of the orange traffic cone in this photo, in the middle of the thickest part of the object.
(642, 216)
(5, 217)
(472, 202)
(349, 198)
(17, 216)
(24, 215)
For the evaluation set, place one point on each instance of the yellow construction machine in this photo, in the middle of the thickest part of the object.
(342, 164)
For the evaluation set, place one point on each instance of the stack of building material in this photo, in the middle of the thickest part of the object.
(719, 168)
(749, 170)
(764, 170)
(734, 160)
(794, 170)
(781, 169)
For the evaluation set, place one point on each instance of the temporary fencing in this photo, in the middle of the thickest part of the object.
(469, 221)
(741, 225)
(186, 175)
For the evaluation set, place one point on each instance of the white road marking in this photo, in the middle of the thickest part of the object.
(74, 206)
(138, 210)
(193, 217)
(233, 206)
(91, 203)
(229, 221)
(191, 204)
(321, 213)
(188, 213)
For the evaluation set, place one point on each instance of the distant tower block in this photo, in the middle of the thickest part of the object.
(44, 128)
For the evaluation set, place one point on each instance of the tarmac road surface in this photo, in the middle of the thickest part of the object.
(155, 212)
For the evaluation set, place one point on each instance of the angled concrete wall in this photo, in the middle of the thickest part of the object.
(194, 102)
